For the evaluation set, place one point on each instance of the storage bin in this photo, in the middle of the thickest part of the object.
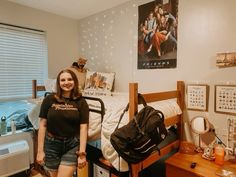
(100, 172)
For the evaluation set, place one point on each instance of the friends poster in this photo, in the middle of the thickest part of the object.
(157, 34)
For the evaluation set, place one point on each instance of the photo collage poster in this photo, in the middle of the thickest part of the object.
(157, 34)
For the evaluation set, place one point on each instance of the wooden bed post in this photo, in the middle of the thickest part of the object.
(133, 99)
(133, 108)
(34, 89)
(181, 102)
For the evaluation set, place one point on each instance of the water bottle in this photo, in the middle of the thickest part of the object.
(3, 125)
(13, 126)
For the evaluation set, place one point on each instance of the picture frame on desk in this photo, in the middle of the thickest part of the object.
(225, 99)
(197, 97)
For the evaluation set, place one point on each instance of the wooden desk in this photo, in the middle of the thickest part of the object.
(178, 165)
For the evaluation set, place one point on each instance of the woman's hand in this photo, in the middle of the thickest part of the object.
(40, 158)
(81, 162)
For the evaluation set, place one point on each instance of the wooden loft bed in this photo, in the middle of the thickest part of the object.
(177, 94)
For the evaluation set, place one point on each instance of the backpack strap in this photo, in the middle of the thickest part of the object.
(141, 100)
(161, 115)
(137, 125)
(121, 116)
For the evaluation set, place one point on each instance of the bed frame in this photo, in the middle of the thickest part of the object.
(151, 97)
(178, 94)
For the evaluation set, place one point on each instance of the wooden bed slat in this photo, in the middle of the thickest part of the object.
(40, 88)
(172, 120)
(151, 97)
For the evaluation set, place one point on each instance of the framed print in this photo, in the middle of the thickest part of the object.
(197, 97)
(224, 60)
(225, 99)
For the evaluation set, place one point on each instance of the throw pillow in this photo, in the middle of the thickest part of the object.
(98, 83)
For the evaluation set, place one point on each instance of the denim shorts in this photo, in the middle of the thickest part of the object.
(60, 152)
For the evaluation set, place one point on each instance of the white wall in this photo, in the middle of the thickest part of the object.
(62, 33)
(109, 41)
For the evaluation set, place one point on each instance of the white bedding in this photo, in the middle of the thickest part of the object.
(114, 106)
(94, 131)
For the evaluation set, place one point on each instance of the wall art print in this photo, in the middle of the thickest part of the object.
(225, 99)
(157, 34)
(197, 97)
(224, 60)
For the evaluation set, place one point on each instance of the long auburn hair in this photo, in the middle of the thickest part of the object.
(75, 92)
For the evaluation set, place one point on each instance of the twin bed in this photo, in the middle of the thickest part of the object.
(171, 103)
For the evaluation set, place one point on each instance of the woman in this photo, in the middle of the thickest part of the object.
(63, 116)
(160, 36)
(150, 28)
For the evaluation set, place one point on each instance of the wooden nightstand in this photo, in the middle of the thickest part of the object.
(178, 165)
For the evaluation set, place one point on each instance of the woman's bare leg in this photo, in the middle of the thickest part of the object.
(53, 173)
(149, 48)
(66, 171)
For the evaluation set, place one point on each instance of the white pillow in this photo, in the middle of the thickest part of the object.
(50, 85)
(98, 83)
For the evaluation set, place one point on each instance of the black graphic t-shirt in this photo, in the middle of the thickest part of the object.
(64, 119)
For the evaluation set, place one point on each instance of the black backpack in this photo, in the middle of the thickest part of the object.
(135, 141)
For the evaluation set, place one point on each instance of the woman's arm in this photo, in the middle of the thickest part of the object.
(41, 136)
(82, 147)
(83, 137)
